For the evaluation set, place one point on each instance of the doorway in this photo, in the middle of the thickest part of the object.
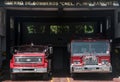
(45, 27)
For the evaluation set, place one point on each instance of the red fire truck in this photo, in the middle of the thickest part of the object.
(90, 55)
(31, 59)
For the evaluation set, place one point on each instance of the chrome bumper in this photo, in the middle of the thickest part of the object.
(90, 68)
(29, 70)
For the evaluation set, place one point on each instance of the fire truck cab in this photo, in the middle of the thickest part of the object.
(31, 59)
(90, 56)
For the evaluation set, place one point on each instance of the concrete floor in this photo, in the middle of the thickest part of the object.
(59, 77)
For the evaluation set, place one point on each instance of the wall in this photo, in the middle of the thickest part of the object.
(2, 35)
(117, 23)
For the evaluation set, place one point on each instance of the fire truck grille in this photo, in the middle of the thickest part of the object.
(26, 65)
(28, 59)
(92, 60)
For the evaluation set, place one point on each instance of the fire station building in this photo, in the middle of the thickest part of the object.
(56, 22)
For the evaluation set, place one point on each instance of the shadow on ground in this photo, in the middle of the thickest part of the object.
(93, 76)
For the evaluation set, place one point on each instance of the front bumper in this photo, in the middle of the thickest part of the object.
(29, 70)
(91, 68)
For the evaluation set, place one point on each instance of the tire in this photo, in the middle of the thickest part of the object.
(13, 76)
(50, 75)
(73, 75)
(46, 76)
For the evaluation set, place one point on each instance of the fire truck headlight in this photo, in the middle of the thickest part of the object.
(40, 59)
(105, 62)
(76, 62)
(16, 59)
(16, 70)
(41, 70)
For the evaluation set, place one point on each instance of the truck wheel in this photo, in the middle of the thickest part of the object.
(73, 75)
(50, 75)
(46, 76)
(12, 76)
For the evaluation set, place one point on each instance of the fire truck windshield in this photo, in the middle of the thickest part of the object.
(100, 47)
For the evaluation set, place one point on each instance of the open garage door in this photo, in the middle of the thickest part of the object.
(57, 30)
(58, 34)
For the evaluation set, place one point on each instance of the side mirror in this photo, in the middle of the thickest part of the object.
(50, 50)
(68, 47)
(15, 51)
(11, 50)
(111, 40)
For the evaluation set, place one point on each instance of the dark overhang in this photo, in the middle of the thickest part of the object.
(55, 4)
